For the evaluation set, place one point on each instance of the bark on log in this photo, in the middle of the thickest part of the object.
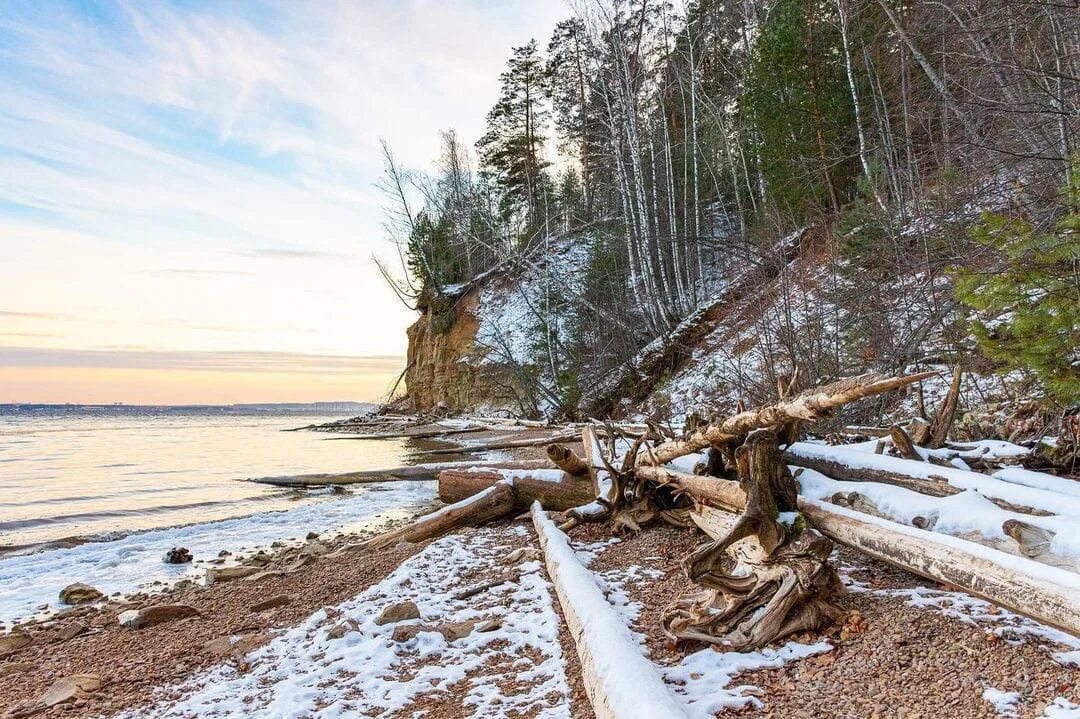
(1043, 593)
(903, 443)
(495, 501)
(919, 430)
(933, 485)
(943, 420)
(809, 405)
(565, 459)
(556, 494)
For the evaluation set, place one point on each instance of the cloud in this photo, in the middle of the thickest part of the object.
(244, 362)
(288, 253)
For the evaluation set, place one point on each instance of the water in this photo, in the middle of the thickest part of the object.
(141, 484)
(79, 474)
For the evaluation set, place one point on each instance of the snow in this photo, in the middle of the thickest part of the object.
(957, 514)
(1004, 702)
(303, 672)
(1062, 708)
(1039, 480)
(629, 682)
(542, 475)
(133, 562)
(1038, 498)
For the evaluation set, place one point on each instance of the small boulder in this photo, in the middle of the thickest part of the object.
(522, 554)
(342, 628)
(157, 614)
(79, 593)
(13, 642)
(452, 631)
(399, 612)
(406, 632)
(9, 668)
(71, 630)
(489, 625)
(311, 535)
(278, 601)
(69, 689)
(228, 574)
(177, 555)
(315, 549)
(235, 645)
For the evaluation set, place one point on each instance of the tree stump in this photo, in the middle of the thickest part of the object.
(765, 579)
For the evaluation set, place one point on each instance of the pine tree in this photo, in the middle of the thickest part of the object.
(511, 151)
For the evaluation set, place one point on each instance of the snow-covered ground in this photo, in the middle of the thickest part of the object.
(517, 669)
(127, 564)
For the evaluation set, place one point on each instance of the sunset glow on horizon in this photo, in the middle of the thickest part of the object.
(182, 183)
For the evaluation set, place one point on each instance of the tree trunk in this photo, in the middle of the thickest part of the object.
(556, 490)
(492, 503)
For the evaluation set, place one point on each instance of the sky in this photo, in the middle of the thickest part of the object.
(188, 189)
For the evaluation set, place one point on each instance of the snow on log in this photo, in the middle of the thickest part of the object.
(925, 478)
(1043, 593)
(620, 681)
(555, 489)
(809, 405)
(495, 501)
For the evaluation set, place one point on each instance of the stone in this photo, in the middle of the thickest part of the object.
(315, 549)
(406, 632)
(157, 614)
(13, 642)
(228, 574)
(277, 601)
(79, 593)
(522, 554)
(489, 625)
(71, 630)
(452, 631)
(234, 645)
(70, 688)
(398, 612)
(311, 535)
(9, 668)
(177, 555)
(342, 628)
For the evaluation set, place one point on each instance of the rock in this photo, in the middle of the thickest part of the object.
(228, 574)
(456, 630)
(13, 642)
(259, 559)
(523, 554)
(224, 553)
(9, 668)
(71, 630)
(399, 612)
(177, 555)
(157, 614)
(234, 645)
(315, 549)
(311, 535)
(405, 632)
(278, 601)
(343, 628)
(79, 593)
(489, 625)
(258, 576)
(70, 688)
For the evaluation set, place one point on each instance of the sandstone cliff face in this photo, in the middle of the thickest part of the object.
(446, 369)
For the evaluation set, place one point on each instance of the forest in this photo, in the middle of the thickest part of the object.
(923, 153)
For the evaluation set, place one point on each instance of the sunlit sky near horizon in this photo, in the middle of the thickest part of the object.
(188, 206)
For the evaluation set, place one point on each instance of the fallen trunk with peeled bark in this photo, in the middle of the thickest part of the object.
(508, 444)
(414, 472)
(1043, 593)
(812, 404)
(555, 489)
(492, 503)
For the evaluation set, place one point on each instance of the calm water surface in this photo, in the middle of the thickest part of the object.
(85, 475)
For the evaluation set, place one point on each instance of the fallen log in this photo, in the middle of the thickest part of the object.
(565, 459)
(414, 472)
(925, 478)
(1043, 593)
(620, 681)
(492, 503)
(809, 405)
(555, 489)
(425, 434)
(508, 444)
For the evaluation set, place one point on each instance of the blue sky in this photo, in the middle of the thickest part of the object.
(195, 176)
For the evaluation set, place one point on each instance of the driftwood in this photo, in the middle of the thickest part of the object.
(933, 485)
(423, 434)
(556, 494)
(507, 444)
(564, 458)
(494, 502)
(776, 583)
(1041, 592)
(812, 404)
(903, 443)
(415, 472)
(943, 420)
(1031, 541)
